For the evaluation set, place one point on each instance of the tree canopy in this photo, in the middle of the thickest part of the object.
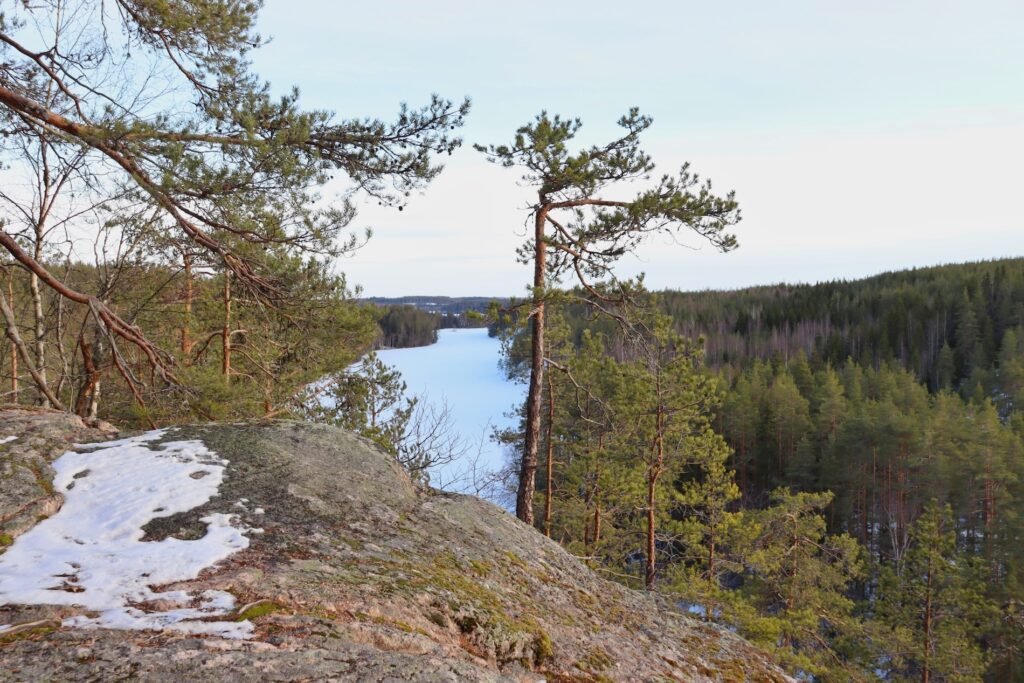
(598, 228)
(177, 131)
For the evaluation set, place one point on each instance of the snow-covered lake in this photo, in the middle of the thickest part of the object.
(461, 370)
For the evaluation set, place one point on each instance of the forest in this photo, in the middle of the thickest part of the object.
(834, 471)
(860, 513)
(414, 320)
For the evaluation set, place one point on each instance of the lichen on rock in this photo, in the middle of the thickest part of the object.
(360, 574)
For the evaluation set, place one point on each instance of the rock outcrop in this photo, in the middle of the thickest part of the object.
(358, 575)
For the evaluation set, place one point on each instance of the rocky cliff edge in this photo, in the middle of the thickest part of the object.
(356, 574)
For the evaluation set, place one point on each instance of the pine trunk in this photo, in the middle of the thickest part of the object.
(926, 668)
(226, 331)
(550, 460)
(40, 333)
(652, 482)
(14, 350)
(186, 325)
(528, 467)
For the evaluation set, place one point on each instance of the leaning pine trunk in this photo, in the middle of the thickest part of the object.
(528, 468)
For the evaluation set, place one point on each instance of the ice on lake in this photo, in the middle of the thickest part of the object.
(462, 370)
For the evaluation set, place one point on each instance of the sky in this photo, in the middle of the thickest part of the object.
(859, 137)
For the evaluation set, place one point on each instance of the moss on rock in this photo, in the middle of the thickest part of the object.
(361, 574)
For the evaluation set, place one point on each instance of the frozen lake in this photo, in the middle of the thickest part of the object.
(461, 370)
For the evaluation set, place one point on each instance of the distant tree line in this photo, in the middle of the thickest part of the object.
(439, 304)
(944, 324)
(404, 325)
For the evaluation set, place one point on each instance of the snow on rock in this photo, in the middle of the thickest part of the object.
(91, 554)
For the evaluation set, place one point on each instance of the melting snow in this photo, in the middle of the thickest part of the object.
(91, 553)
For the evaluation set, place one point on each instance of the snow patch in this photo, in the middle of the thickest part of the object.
(91, 553)
(7, 439)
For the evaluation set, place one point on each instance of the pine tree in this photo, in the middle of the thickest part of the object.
(934, 605)
(829, 405)
(705, 526)
(1010, 384)
(741, 418)
(672, 434)
(968, 337)
(369, 400)
(788, 419)
(581, 231)
(800, 370)
(945, 368)
(796, 578)
(225, 168)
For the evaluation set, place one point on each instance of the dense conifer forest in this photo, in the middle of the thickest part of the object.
(944, 324)
(836, 470)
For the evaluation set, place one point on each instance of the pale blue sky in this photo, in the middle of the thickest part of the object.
(859, 136)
